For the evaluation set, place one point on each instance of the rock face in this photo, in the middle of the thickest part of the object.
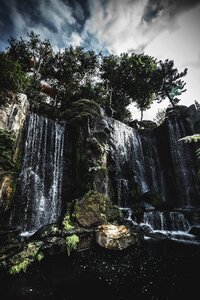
(116, 161)
(153, 161)
(6, 191)
(12, 117)
(115, 237)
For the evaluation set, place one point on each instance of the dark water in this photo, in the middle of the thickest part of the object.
(152, 270)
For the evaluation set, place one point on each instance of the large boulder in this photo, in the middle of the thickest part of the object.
(95, 209)
(115, 237)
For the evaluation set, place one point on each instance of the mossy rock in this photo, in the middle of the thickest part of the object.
(19, 262)
(91, 210)
(95, 209)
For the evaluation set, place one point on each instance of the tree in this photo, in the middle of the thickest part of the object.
(32, 54)
(117, 97)
(170, 82)
(131, 79)
(12, 77)
(140, 84)
(74, 71)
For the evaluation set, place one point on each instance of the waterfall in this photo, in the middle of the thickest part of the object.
(127, 214)
(136, 161)
(184, 174)
(40, 180)
(122, 191)
(126, 151)
(166, 221)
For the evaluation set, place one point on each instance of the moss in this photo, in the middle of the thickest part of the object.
(67, 222)
(40, 256)
(72, 243)
(54, 229)
(20, 267)
(92, 209)
(21, 261)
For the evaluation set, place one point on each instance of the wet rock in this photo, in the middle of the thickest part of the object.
(115, 237)
(45, 231)
(157, 235)
(146, 229)
(8, 235)
(147, 124)
(195, 230)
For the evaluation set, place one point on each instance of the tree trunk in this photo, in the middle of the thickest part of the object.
(141, 117)
(170, 98)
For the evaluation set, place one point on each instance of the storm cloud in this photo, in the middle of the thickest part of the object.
(161, 28)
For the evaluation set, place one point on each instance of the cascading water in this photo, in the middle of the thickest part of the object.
(166, 221)
(122, 191)
(172, 224)
(40, 180)
(136, 162)
(184, 174)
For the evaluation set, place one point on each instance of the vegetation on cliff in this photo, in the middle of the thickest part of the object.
(60, 79)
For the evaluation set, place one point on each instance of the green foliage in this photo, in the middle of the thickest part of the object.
(20, 267)
(72, 243)
(40, 256)
(67, 222)
(7, 142)
(12, 77)
(130, 78)
(190, 138)
(7, 146)
(169, 81)
(113, 81)
(32, 54)
(82, 110)
(160, 116)
(21, 261)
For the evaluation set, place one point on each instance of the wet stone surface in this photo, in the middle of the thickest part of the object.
(151, 270)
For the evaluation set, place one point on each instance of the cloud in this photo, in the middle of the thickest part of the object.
(167, 8)
(160, 28)
(56, 13)
(75, 39)
(51, 19)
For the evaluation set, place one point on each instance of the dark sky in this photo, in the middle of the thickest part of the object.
(161, 28)
(87, 22)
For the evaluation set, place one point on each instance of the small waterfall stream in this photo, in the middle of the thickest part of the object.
(184, 175)
(40, 180)
(166, 221)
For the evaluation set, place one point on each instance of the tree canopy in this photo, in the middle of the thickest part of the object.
(169, 81)
(113, 81)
